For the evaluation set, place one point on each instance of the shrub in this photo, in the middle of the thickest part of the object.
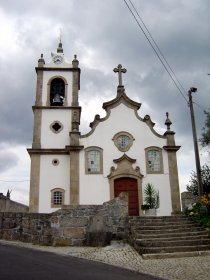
(199, 211)
(151, 197)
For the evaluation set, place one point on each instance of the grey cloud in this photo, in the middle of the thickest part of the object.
(7, 160)
(108, 29)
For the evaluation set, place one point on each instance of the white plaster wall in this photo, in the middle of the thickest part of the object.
(49, 139)
(95, 188)
(53, 177)
(161, 183)
(47, 75)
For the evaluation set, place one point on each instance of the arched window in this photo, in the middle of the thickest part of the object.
(57, 92)
(154, 161)
(57, 197)
(93, 160)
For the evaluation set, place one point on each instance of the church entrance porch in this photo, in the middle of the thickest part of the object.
(129, 185)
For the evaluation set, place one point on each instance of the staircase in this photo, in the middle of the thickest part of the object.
(167, 237)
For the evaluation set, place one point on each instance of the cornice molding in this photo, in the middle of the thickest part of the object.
(171, 148)
(69, 69)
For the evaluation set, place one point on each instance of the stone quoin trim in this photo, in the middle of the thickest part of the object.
(34, 183)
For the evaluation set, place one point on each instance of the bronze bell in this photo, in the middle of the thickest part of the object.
(57, 100)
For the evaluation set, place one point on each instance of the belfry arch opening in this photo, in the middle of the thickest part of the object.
(57, 92)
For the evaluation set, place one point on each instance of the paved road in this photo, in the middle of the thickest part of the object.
(28, 264)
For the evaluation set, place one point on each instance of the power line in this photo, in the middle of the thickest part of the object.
(176, 82)
(161, 53)
(201, 106)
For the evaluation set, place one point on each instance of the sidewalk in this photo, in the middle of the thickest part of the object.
(123, 255)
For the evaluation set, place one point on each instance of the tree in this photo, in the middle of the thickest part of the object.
(205, 176)
(205, 136)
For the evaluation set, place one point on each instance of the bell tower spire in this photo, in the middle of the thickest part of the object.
(60, 47)
(56, 133)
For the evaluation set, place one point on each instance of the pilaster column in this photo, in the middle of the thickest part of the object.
(37, 112)
(171, 149)
(74, 177)
(74, 147)
(34, 183)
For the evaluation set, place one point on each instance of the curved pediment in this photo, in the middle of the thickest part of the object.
(126, 158)
(125, 168)
(121, 98)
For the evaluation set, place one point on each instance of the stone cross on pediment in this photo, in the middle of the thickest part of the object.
(120, 70)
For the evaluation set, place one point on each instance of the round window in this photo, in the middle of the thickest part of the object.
(55, 161)
(123, 141)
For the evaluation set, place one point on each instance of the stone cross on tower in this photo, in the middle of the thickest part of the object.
(120, 70)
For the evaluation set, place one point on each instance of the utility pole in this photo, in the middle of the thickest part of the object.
(197, 158)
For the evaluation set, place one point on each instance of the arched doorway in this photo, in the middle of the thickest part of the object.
(129, 185)
(131, 176)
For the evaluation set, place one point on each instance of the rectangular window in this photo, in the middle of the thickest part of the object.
(57, 198)
(154, 160)
(93, 160)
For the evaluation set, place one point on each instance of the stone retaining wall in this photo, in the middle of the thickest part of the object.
(93, 225)
(8, 205)
(188, 199)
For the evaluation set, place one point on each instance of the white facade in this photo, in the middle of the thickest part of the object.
(52, 177)
(122, 151)
(50, 138)
(94, 188)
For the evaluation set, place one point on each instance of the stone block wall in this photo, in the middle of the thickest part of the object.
(8, 205)
(188, 199)
(69, 225)
(33, 228)
(78, 225)
(110, 222)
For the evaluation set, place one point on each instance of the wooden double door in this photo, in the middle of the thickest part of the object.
(129, 185)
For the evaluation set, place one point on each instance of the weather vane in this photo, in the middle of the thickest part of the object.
(60, 34)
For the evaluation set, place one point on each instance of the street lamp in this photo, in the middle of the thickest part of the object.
(197, 158)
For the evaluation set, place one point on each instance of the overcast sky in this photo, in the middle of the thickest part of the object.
(102, 34)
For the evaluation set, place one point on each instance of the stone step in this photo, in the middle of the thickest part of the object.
(171, 235)
(159, 223)
(172, 224)
(172, 243)
(160, 237)
(171, 249)
(175, 255)
(162, 218)
(165, 226)
(168, 230)
(172, 238)
(139, 225)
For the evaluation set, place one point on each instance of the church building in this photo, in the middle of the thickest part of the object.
(121, 153)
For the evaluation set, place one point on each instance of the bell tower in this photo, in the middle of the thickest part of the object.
(55, 134)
